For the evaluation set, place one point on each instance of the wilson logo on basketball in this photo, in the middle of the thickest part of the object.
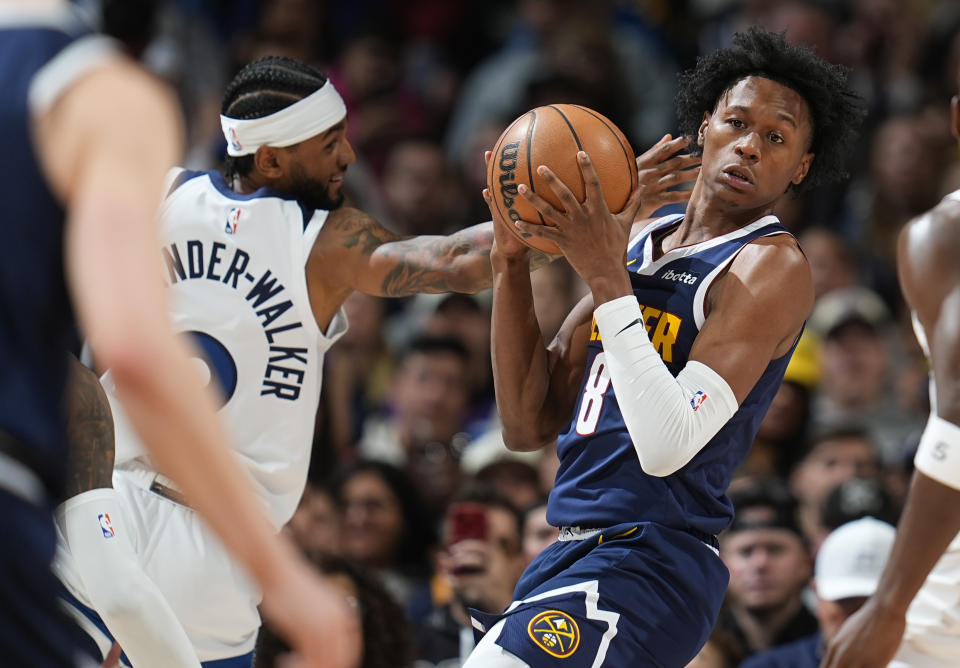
(508, 185)
(555, 632)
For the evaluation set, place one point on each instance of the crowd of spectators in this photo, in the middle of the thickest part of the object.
(407, 433)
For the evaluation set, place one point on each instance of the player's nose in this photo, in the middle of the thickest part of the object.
(748, 146)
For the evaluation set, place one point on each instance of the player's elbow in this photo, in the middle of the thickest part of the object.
(655, 459)
(523, 440)
(657, 469)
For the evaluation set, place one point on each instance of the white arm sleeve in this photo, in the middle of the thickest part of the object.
(129, 602)
(669, 419)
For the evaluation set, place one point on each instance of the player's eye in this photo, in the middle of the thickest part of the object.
(736, 122)
(776, 138)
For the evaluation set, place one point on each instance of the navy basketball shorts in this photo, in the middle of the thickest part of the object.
(635, 594)
(34, 629)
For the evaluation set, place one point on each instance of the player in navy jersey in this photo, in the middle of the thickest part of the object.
(88, 138)
(658, 379)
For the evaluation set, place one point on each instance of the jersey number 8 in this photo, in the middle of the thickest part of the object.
(598, 380)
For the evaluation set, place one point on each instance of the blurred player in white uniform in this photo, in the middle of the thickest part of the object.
(918, 597)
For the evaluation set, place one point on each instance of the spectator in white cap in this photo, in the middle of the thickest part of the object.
(846, 573)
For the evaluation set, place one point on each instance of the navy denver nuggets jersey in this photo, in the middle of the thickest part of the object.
(600, 482)
(41, 53)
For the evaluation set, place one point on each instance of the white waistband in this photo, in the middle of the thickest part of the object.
(577, 533)
(141, 475)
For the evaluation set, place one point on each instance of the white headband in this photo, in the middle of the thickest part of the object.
(307, 118)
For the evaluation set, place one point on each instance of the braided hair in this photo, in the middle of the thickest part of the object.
(264, 87)
(836, 110)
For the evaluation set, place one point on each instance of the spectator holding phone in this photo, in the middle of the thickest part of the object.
(482, 561)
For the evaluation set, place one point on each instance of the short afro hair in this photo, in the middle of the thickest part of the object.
(835, 109)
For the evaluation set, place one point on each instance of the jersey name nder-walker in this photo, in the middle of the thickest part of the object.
(265, 294)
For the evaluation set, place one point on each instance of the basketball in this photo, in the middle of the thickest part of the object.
(551, 136)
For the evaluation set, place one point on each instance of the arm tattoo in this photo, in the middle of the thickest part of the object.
(89, 425)
(540, 259)
(459, 262)
(361, 231)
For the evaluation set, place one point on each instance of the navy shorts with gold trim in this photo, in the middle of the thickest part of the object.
(637, 594)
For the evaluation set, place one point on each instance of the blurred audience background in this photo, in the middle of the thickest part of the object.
(407, 433)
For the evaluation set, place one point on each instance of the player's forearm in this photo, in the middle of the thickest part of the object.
(930, 521)
(467, 253)
(685, 411)
(520, 373)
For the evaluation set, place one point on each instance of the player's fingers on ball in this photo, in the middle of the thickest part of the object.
(486, 157)
(634, 204)
(528, 230)
(559, 188)
(540, 204)
(486, 196)
(590, 179)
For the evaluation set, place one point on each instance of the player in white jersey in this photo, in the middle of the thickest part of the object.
(258, 264)
(918, 597)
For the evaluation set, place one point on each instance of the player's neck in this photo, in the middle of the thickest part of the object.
(245, 184)
(707, 218)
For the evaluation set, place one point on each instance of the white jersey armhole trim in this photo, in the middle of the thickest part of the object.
(699, 316)
(338, 325)
(651, 266)
(654, 224)
(66, 68)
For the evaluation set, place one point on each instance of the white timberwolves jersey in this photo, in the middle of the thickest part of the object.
(235, 266)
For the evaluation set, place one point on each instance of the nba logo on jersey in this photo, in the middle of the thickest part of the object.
(697, 400)
(106, 526)
(233, 218)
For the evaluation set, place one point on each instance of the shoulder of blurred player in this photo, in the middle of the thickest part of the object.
(927, 254)
(116, 110)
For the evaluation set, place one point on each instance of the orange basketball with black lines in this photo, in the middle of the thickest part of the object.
(552, 135)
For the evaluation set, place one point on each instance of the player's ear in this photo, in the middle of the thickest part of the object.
(267, 160)
(702, 131)
(801, 172)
